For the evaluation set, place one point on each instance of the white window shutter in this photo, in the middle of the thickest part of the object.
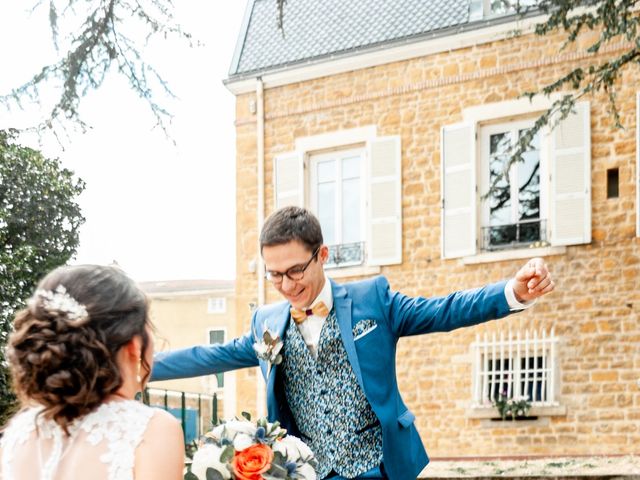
(458, 190)
(571, 179)
(288, 178)
(384, 236)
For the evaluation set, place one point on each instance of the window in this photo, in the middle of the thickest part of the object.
(511, 214)
(337, 197)
(523, 365)
(217, 305)
(613, 183)
(545, 200)
(351, 179)
(479, 9)
(217, 336)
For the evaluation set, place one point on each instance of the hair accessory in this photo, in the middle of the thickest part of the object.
(60, 302)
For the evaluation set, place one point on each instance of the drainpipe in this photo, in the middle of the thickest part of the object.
(261, 391)
(260, 153)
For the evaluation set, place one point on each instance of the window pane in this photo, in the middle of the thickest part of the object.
(351, 211)
(327, 211)
(217, 336)
(529, 182)
(500, 198)
(350, 167)
(499, 7)
(326, 171)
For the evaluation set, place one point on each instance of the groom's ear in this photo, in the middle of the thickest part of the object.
(323, 253)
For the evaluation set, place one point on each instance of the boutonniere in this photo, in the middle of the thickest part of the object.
(268, 349)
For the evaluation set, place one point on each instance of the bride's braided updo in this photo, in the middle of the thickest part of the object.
(62, 353)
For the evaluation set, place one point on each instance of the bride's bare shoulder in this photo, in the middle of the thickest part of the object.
(161, 453)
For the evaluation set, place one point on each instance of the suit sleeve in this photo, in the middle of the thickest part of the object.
(205, 359)
(418, 315)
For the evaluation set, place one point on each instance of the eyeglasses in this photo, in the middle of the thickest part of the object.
(295, 273)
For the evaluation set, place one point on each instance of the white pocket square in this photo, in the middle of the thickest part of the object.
(365, 333)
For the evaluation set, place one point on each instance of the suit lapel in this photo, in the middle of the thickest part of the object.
(277, 323)
(342, 305)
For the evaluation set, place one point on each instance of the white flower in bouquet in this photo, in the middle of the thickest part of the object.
(241, 449)
(293, 448)
(235, 426)
(208, 456)
(242, 441)
(306, 472)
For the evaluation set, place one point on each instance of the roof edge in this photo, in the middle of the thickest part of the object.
(242, 36)
(454, 38)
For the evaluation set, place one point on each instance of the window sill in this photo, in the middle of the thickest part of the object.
(488, 413)
(488, 257)
(355, 271)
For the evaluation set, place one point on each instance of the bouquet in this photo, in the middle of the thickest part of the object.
(242, 450)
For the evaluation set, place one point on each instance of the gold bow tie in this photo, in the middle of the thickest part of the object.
(319, 309)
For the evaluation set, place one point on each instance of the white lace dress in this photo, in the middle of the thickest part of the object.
(101, 445)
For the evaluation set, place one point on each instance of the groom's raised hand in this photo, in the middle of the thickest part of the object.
(533, 280)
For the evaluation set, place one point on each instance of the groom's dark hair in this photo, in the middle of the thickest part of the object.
(291, 223)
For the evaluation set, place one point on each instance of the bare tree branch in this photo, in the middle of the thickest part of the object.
(99, 46)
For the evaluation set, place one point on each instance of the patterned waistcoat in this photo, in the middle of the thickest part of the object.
(328, 405)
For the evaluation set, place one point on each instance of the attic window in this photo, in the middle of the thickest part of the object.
(479, 9)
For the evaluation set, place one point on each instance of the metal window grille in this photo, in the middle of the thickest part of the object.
(345, 255)
(515, 235)
(520, 365)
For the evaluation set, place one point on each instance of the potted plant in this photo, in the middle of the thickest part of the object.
(512, 408)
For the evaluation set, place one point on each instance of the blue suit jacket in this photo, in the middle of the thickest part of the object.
(372, 355)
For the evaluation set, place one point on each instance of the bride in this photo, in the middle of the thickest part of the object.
(80, 352)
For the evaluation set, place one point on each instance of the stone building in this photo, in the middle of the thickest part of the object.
(193, 312)
(390, 120)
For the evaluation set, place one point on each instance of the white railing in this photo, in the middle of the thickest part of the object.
(520, 365)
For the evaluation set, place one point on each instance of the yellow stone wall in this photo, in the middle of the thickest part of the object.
(595, 309)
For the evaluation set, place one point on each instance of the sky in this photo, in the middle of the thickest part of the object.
(161, 211)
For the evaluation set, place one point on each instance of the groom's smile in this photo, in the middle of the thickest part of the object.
(296, 257)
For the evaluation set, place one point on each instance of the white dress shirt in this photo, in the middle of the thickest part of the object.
(311, 328)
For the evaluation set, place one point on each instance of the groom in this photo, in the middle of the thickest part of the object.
(336, 387)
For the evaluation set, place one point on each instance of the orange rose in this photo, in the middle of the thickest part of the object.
(252, 462)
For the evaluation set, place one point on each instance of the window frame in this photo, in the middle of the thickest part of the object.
(218, 376)
(339, 154)
(481, 9)
(511, 124)
(514, 348)
(486, 113)
(383, 167)
(217, 299)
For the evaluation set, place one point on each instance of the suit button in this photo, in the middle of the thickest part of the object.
(323, 391)
(328, 431)
(327, 411)
(319, 371)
